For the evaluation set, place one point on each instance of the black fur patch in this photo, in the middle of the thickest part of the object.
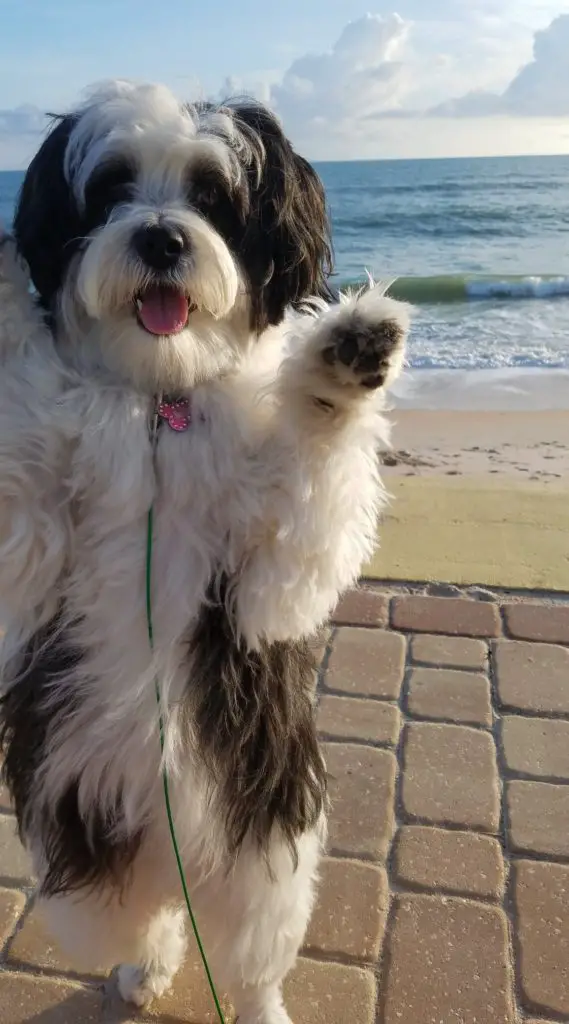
(284, 244)
(76, 859)
(277, 227)
(255, 723)
(47, 225)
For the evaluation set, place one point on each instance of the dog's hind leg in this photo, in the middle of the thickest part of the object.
(141, 928)
(253, 922)
(96, 933)
(160, 951)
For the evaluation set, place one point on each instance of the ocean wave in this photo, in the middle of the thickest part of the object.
(468, 287)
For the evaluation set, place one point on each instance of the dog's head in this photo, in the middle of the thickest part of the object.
(170, 234)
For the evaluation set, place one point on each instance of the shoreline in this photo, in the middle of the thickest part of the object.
(507, 389)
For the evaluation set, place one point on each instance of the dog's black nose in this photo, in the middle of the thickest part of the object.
(159, 247)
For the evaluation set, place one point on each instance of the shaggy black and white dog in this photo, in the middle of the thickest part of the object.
(179, 255)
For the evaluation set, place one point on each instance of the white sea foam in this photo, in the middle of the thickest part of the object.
(518, 288)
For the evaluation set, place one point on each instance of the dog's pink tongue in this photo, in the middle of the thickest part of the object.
(163, 310)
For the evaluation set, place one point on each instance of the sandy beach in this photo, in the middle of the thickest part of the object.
(511, 424)
(480, 493)
(520, 446)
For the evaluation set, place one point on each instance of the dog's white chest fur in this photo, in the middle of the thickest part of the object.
(194, 482)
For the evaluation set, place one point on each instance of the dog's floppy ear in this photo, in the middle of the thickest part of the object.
(286, 248)
(46, 219)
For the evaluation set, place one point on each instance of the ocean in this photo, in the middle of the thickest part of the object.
(479, 246)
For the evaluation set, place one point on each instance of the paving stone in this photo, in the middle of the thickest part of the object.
(462, 862)
(367, 662)
(532, 677)
(348, 718)
(317, 993)
(34, 947)
(46, 1001)
(447, 961)
(536, 746)
(541, 894)
(15, 868)
(450, 776)
(349, 919)
(189, 999)
(362, 791)
(11, 907)
(450, 694)
(449, 651)
(538, 818)
(362, 607)
(452, 615)
(549, 623)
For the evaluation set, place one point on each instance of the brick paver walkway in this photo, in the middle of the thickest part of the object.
(445, 895)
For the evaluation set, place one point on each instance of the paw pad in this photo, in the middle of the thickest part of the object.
(364, 348)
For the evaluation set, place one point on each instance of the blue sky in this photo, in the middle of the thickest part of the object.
(409, 78)
(48, 45)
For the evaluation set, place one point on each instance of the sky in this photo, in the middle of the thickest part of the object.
(402, 78)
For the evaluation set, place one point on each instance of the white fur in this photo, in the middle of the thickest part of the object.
(147, 123)
(282, 492)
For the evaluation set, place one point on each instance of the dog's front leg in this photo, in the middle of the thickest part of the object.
(33, 511)
(321, 458)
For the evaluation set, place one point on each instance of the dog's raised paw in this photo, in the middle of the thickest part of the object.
(365, 350)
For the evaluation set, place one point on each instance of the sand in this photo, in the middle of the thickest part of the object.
(520, 446)
(479, 497)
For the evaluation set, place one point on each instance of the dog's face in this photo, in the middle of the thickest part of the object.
(169, 235)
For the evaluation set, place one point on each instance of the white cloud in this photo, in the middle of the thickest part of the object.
(393, 70)
(20, 132)
(540, 88)
(385, 86)
(24, 120)
(361, 74)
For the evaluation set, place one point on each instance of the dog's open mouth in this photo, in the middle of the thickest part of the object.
(161, 309)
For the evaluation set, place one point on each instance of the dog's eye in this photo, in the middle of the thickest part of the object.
(109, 186)
(208, 196)
(206, 191)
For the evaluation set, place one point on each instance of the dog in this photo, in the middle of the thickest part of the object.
(182, 354)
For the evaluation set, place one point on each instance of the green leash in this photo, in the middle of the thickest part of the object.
(149, 541)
